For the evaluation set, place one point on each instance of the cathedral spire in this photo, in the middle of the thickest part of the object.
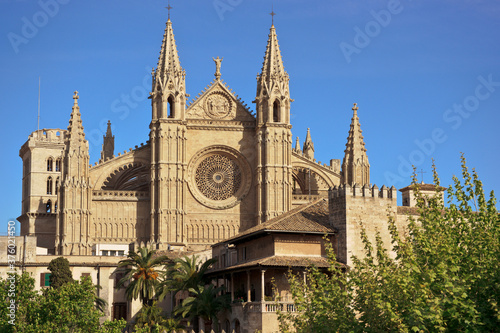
(273, 96)
(169, 81)
(308, 146)
(272, 68)
(297, 146)
(355, 166)
(168, 62)
(108, 145)
(75, 127)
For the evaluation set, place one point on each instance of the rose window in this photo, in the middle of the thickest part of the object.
(218, 177)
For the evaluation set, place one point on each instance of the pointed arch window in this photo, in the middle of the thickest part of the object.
(170, 107)
(49, 185)
(49, 164)
(55, 207)
(48, 207)
(57, 186)
(58, 165)
(276, 111)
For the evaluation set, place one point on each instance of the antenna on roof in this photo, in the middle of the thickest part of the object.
(38, 121)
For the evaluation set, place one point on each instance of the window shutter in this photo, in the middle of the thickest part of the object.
(42, 279)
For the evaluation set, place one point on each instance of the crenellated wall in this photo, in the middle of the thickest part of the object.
(351, 207)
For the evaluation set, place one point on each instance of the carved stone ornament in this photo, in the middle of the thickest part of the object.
(219, 177)
(218, 106)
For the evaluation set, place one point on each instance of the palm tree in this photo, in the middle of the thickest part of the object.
(141, 274)
(206, 303)
(150, 317)
(184, 274)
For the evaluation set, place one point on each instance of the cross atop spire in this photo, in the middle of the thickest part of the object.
(272, 13)
(355, 108)
(75, 97)
(168, 8)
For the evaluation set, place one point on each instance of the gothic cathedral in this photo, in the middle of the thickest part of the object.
(210, 170)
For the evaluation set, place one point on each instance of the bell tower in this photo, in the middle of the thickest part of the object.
(168, 145)
(75, 195)
(274, 137)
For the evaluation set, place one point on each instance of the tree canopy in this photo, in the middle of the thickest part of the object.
(442, 275)
(141, 274)
(69, 308)
(59, 272)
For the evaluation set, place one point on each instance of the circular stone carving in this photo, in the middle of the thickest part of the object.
(219, 177)
(218, 106)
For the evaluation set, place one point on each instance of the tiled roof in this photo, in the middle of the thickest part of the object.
(311, 217)
(279, 261)
(423, 187)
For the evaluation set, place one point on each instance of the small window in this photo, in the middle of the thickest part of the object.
(170, 107)
(55, 207)
(121, 253)
(223, 261)
(276, 112)
(119, 311)
(118, 277)
(112, 253)
(104, 252)
(45, 280)
(85, 275)
(58, 164)
(57, 185)
(49, 164)
(49, 185)
(48, 207)
(243, 252)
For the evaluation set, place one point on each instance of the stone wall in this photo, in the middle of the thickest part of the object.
(354, 207)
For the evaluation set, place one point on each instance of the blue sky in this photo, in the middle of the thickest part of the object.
(425, 74)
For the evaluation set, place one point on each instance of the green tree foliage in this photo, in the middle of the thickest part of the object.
(59, 272)
(206, 303)
(69, 308)
(150, 319)
(141, 274)
(183, 274)
(444, 277)
(23, 296)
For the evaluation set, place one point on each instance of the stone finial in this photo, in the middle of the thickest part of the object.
(218, 62)
(355, 108)
(75, 97)
(308, 148)
(297, 145)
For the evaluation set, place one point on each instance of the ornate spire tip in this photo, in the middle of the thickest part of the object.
(355, 108)
(272, 13)
(169, 8)
(75, 97)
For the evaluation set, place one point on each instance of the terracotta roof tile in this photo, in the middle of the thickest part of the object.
(311, 217)
(279, 261)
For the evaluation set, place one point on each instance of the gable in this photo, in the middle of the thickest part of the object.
(217, 102)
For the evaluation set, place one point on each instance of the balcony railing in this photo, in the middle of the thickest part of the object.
(267, 306)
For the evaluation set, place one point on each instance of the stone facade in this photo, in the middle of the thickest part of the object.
(212, 172)
(211, 168)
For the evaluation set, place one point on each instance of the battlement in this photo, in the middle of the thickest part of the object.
(55, 135)
(365, 191)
